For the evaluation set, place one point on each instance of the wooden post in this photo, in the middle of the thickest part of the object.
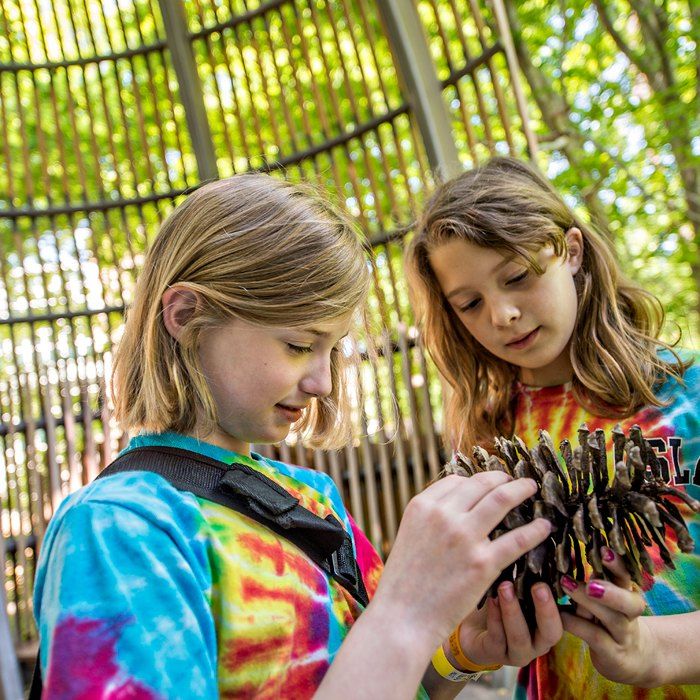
(175, 22)
(423, 90)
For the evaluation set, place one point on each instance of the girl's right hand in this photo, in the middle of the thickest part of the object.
(499, 632)
(443, 561)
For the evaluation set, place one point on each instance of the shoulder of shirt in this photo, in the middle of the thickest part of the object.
(145, 495)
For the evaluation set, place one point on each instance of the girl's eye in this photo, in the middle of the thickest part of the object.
(299, 349)
(519, 278)
(470, 306)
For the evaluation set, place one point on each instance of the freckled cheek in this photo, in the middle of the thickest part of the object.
(276, 379)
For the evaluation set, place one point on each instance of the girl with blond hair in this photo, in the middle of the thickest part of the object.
(533, 326)
(145, 589)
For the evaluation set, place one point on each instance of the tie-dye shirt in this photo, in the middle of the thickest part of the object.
(144, 591)
(566, 672)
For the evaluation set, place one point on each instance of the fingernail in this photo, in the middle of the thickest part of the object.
(569, 583)
(608, 554)
(596, 590)
(507, 591)
(541, 593)
(546, 523)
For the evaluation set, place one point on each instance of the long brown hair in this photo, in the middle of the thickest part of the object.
(507, 205)
(251, 247)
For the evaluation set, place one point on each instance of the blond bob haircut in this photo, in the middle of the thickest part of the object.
(249, 247)
(508, 206)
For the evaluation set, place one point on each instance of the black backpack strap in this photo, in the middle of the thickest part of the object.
(247, 491)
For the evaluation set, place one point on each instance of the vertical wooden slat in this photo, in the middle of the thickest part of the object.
(514, 66)
(320, 464)
(402, 465)
(373, 527)
(428, 422)
(495, 78)
(336, 472)
(414, 436)
(356, 503)
(374, 390)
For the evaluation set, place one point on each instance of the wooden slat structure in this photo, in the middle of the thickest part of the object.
(110, 111)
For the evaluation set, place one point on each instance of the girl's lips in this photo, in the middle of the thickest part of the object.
(289, 412)
(524, 341)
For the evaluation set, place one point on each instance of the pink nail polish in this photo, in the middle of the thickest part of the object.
(596, 590)
(569, 583)
(608, 554)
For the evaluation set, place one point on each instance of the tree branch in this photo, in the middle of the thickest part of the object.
(634, 58)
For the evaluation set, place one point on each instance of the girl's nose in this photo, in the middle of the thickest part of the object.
(318, 380)
(504, 313)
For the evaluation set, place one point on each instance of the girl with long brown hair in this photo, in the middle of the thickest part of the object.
(530, 321)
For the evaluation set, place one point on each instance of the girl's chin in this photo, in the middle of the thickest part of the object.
(274, 434)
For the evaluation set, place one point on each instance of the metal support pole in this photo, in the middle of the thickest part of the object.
(423, 90)
(175, 22)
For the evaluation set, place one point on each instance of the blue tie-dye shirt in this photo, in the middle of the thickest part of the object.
(144, 591)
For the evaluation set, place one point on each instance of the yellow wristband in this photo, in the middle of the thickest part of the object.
(442, 665)
(463, 660)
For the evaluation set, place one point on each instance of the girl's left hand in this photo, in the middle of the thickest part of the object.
(608, 620)
(499, 633)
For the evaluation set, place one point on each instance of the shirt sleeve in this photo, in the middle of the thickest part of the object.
(123, 605)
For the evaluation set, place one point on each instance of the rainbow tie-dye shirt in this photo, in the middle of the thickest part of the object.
(144, 591)
(566, 672)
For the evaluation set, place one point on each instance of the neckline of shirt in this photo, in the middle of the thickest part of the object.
(556, 390)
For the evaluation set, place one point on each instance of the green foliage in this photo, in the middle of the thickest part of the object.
(630, 139)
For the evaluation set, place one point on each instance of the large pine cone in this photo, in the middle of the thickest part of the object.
(587, 510)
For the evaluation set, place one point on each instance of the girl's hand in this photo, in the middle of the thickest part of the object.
(499, 633)
(608, 619)
(440, 566)
(443, 561)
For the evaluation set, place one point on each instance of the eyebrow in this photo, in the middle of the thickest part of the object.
(498, 267)
(321, 334)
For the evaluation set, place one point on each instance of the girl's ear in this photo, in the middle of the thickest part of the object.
(574, 242)
(179, 305)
